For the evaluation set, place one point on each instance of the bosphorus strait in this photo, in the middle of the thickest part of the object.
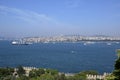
(65, 57)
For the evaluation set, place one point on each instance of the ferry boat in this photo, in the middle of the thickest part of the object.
(14, 42)
(19, 43)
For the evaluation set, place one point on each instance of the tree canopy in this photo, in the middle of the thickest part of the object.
(117, 69)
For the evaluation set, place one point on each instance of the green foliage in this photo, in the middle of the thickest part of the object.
(117, 74)
(46, 77)
(117, 69)
(22, 77)
(41, 74)
(32, 73)
(80, 76)
(110, 77)
(52, 72)
(6, 72)
(71, 78)
(118, 53)
(20, 70)
(117, 64)
(36, 73)
(10, 77)
(61, 77)
(41, 71)
(90, 72)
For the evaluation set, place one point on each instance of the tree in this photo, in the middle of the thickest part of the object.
(80, 76)
(62, 77)
(20, 70)
(110, 77)
(10, 77)
(32, 73)
(36, 73)
(23, 77)
(117, 64)
(52, 72)
(46, 77)
(6, 72)
(40, 72)
(117, 69)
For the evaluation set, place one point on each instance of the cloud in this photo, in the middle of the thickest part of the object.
(35, 23)
(28, 16)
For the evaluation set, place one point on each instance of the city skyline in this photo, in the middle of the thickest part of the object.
(56, 17)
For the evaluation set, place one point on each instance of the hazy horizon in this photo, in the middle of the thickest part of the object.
(55, 17)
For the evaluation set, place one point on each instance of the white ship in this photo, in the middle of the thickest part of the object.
(19, 43)
(14, 42)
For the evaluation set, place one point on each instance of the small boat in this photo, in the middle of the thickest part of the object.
(73, 52)
(108, 43)
(46, 42)
(89, 42)
(117, 42)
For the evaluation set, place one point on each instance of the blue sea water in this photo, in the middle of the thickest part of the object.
(65, 57)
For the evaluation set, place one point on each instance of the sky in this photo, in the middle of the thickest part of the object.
(31, 18)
